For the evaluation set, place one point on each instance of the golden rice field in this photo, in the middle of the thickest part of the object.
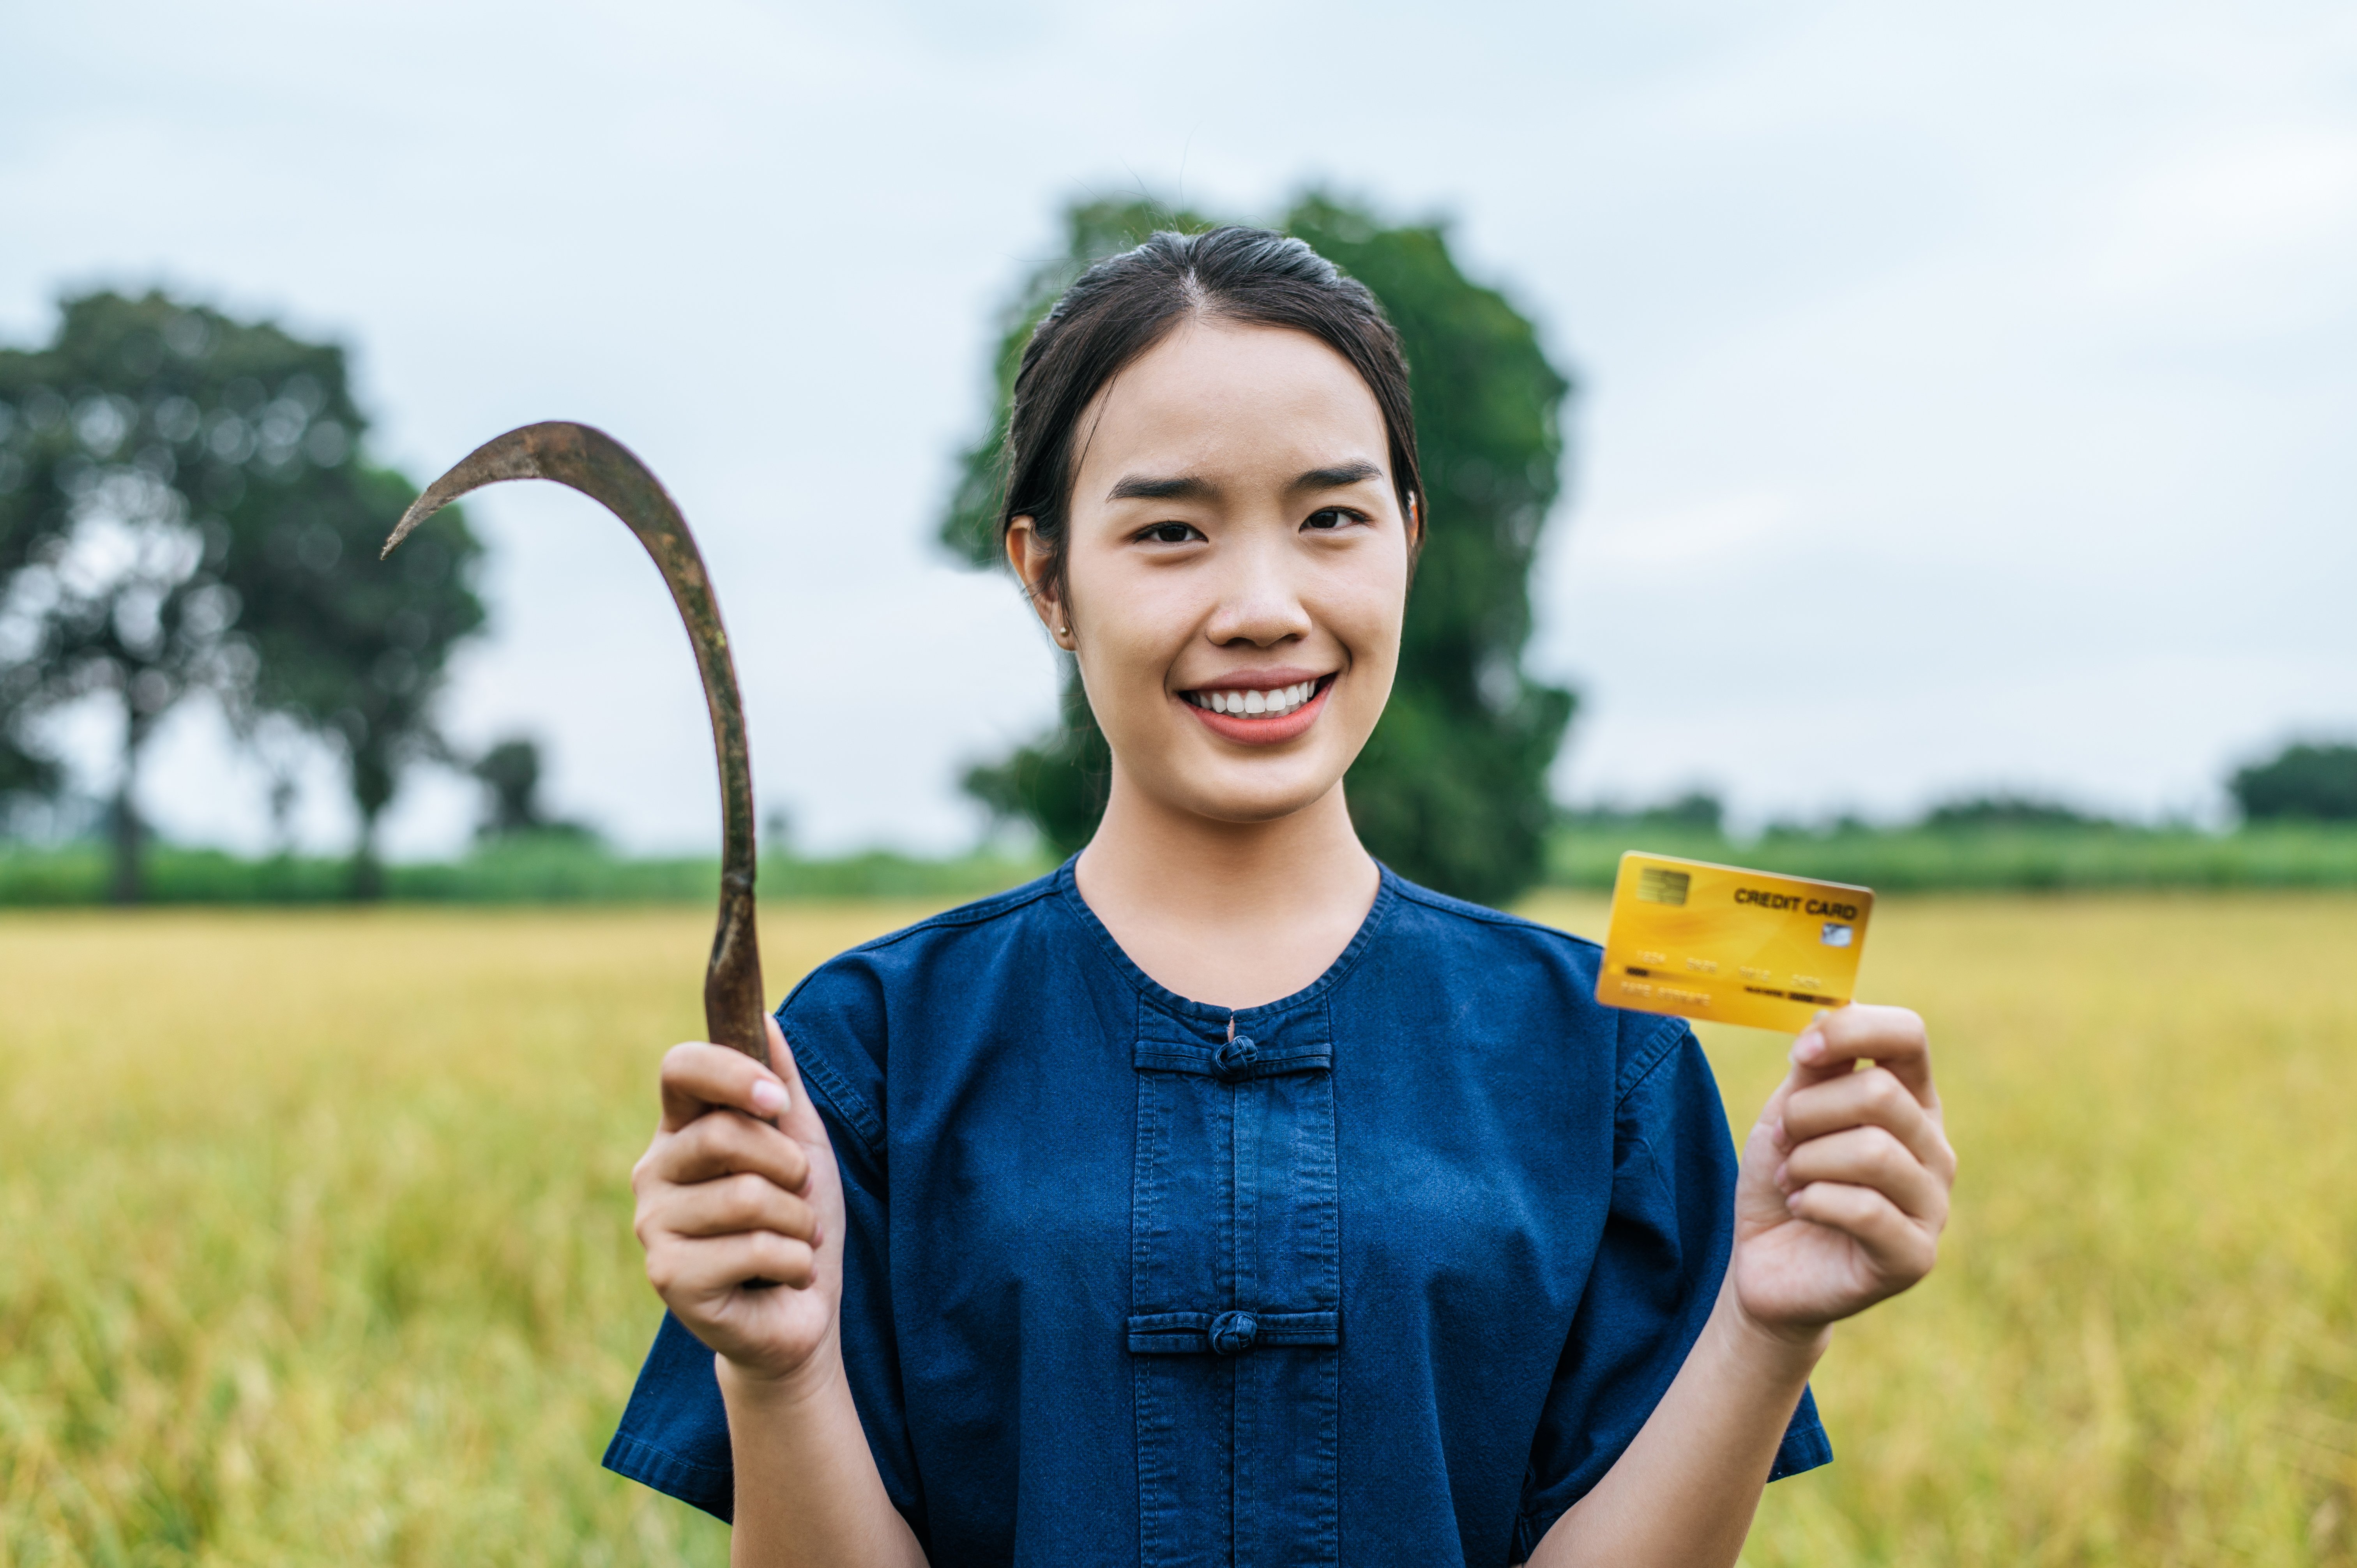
(315, 1241)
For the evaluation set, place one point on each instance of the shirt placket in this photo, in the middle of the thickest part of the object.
(1235, 1293)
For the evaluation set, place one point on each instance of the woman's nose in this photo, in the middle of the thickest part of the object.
(1260, 602)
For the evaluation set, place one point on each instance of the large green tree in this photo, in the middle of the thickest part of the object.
(27, 778)
(354, 648)
(1451, 790)
(2306, 781)
(184, 508)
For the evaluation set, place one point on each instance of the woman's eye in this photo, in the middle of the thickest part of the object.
(1331, 516)
(1168, 534)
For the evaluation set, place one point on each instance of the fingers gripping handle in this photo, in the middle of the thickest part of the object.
(602, 469)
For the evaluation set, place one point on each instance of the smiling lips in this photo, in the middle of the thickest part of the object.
(1260, 714)
(1276, 701)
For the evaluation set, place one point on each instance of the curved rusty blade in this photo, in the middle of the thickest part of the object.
(602, 469)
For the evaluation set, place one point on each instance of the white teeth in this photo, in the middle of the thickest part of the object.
(1261, 702)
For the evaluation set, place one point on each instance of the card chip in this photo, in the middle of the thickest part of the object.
(1658, 884)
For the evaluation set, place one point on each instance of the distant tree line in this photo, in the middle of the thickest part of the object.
(2306, 781)
(188, 507)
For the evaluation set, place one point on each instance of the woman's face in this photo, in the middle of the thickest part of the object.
(1237, 569)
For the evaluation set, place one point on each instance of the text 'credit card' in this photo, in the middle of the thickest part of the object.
(1740, 947)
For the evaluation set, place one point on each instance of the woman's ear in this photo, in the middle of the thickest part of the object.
(1034, 564)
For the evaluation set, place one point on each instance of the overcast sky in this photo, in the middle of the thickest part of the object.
(1967, 396)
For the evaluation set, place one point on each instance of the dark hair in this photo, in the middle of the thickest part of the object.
(1127, 304)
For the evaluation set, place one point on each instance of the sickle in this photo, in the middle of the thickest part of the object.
(605, 470)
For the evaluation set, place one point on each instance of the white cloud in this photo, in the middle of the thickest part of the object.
(2267, 207)
(1715, 534)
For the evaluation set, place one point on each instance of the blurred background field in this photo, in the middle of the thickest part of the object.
(520, 869)
(318, 1244)
(1582, 853)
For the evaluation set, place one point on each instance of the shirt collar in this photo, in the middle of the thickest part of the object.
(1203, 1018)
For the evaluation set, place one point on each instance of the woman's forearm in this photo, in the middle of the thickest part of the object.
(1683, 1495)
(807, 1489)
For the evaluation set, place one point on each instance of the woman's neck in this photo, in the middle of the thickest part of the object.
(1233, 914)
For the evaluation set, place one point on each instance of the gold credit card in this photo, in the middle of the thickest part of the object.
(1740, 947)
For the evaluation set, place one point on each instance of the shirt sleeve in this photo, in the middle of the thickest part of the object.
(675, 1432)
(1667, 1237)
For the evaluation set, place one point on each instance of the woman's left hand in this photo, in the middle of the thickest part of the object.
(1845, 1177)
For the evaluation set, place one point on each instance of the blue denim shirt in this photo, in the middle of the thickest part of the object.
(1391, 1270)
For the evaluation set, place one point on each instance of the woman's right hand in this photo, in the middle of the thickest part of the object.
(726, 1198)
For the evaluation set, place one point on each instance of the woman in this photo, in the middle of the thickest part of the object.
(1221, 1198)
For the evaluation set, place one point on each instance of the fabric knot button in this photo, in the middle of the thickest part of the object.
(1233, 1332)
(1233, 1060)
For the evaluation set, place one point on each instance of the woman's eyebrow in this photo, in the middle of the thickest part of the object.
(1336, 476)
(1142, 488)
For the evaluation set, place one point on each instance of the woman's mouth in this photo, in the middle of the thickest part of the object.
(1260, 715)
(1256, 702)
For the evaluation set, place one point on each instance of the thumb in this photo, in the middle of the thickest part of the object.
(800, 1119)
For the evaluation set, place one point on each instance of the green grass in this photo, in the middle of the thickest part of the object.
(1997, 859)
(558, 870)
(318, 1250)
(552, 870)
